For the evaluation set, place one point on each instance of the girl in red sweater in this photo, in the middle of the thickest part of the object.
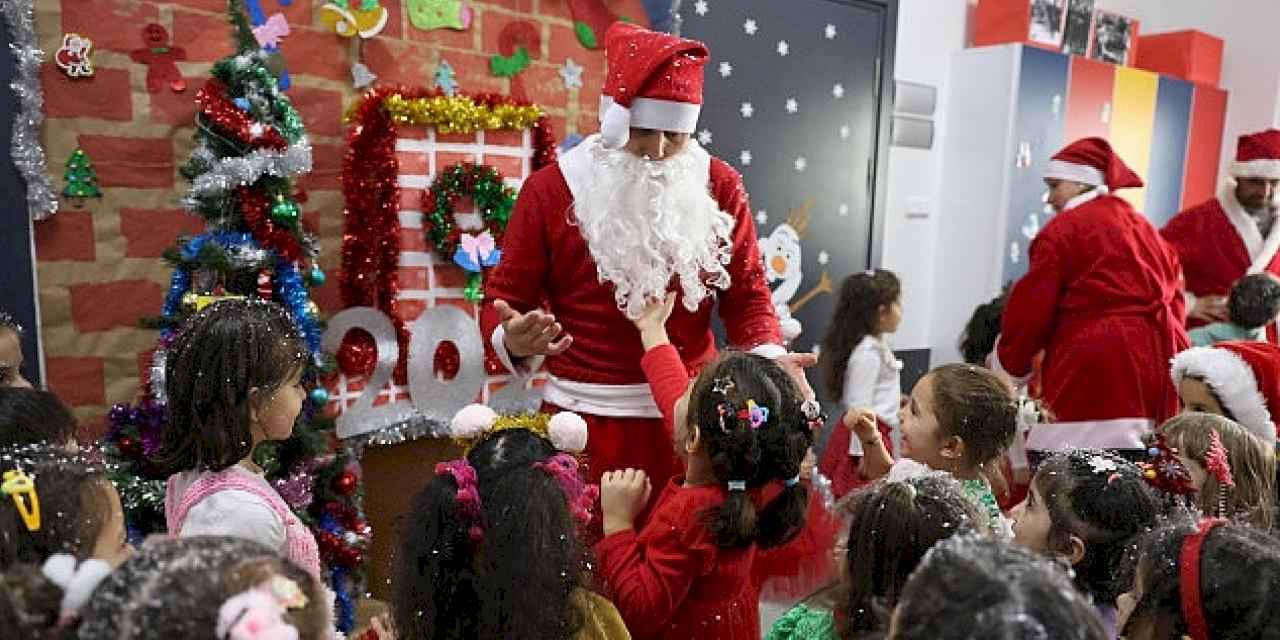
(693, 569)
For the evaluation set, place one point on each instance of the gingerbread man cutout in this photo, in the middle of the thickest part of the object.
(161, 59)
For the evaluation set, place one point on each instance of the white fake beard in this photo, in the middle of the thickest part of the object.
(646, 222)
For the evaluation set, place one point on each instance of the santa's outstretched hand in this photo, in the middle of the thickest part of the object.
(531, 334)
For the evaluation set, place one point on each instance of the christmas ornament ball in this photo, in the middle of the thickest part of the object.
(345, 483)
(319, 396)
(316, 276)
(284, 211)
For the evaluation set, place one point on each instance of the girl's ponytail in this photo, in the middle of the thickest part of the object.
(734, 522)
(784, 516)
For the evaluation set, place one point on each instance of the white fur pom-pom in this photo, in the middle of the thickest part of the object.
(615, 126)
(568, 432)
(471, 421)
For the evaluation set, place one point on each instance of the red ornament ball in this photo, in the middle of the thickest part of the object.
(345, 483)
(128, 446)
(358, 354)
(350, 557)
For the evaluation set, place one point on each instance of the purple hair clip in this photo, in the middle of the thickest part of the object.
(755, 414)
(468, 496)
(580, 496)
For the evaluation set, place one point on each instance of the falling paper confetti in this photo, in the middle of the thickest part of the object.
(823, 257)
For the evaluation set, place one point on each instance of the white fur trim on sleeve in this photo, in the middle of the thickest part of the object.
(770, 350)
(1233, 381)
(525, 368)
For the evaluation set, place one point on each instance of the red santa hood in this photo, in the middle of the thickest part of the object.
(1258, 156)
(1092, 161)
(654, 81)
(1245, 376)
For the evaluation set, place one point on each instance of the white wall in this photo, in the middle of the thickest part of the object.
(929, 31)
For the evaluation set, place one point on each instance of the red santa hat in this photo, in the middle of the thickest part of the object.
(1091, 161)
(1258, 155)
(1245, 376)
(654, 82)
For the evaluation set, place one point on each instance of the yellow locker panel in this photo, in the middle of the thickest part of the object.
(1133, 116)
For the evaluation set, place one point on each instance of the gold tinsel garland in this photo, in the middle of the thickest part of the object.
(539, 423)
(459, 114)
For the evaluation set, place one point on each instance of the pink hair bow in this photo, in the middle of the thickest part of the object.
(581, 497)
(468, 496)
(268, 34)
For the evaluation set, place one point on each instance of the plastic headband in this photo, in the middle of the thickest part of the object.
(21, 488)
(1189, 578)
(258, 613)
(467, 497)
(77, 580)
(580, 496)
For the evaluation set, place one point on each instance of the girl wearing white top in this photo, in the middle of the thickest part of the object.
(860, 369)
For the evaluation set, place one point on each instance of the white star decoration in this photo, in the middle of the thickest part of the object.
(830, 32)
(700, 7)
(747, 110)
(704, 137)
(783, 48)
(838, 91)
(844, 132)
(745, 157)
(792, 105)
(571, 73)
(257, 130)
(726, 69)
(823, 257)
(801, 163)
(762, 217)
(750, 27)
(844, 209)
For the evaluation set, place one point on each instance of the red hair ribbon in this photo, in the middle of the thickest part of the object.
(468, 496)
(1189, 579)
(580, 496)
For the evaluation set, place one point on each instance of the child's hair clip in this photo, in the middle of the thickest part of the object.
(467, 497)
(1165, 471)
(755, 414)
(21, 488)
(722, 385)
(566, 430)
(1216, 462)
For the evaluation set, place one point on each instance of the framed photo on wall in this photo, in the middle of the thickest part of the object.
(1079, 28)
(1113, 36)
(1047, 20)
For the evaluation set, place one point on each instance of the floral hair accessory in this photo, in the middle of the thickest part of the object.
(78, 580)
(255, 614)
(21, 488)
(1165, 471)
(755, 414)
(1215, 461)
(580, 496)
(468, 496)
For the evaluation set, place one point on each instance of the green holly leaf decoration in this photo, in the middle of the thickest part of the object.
(509, 66)
(586, 37)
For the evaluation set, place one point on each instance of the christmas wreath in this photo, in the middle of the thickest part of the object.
(494, 201)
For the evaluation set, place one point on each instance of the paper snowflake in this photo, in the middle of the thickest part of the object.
(750, 27)
(747, 110)
(801, 163)
(783, 48)
(762, 217)
(792, 105)
(726, 69)
(744, 157)
(844, 209)
(700, 7)
(838, 91)
(830, 32)
(1103, 464)
(823, 257)
(571, 73)
(704, 137)
(844, 132)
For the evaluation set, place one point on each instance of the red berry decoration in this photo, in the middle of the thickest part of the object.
(345, 483)
(358, 354)
(128, 446)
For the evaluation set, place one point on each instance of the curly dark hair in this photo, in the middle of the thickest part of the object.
(974, 404)
(973, 586)
(756, 456)
(519, 581)
(29, 416)
(1254, 301)
(893, 525)
(30, 604)
(1239, 584)
(980, 333)
(174, 588)
(857, 315)
(1107, 509)
(223, 352)
(65, 484)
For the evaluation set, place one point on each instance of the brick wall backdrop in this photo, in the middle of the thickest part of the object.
(99, 267)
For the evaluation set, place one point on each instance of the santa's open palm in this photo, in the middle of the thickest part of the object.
(535, 333)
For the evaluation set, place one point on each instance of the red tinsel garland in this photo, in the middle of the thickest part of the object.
(371, 226)
(254, 207)
(222, 113)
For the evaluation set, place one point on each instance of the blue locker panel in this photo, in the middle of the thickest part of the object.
(1168, 150)
(1037, 135)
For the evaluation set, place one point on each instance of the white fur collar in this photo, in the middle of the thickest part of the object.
(577, 167)
(1245, 225)
(1092, 194)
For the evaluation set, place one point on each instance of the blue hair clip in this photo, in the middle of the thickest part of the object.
(793, 481)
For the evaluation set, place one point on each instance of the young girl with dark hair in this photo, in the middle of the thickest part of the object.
(29, 416)
(893, 525)
(1209, 580)
(860, 369)
(1086, 508)
(960, 419)
(233, 378)
(971, 586)
(694, 568)
(491, 550)
(11, 358)
(1244, 488)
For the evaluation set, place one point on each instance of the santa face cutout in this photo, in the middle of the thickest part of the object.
(1197, 396)
(651, 144)
(1062, 191)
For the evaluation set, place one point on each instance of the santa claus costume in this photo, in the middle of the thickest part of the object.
(1245, 379)
(593, 240)
(1102, 300)
(1218, 241)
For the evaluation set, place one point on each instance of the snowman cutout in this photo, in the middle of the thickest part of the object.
(781, 254)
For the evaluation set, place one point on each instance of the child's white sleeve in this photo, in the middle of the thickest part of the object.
(239, 514)
(859, 386)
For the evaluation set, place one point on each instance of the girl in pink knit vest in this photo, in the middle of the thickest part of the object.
(233, 377)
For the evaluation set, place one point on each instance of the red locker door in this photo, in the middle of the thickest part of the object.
(1089, 94)
(1208, 116)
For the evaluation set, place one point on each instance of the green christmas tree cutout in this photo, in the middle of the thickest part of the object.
(82, 180)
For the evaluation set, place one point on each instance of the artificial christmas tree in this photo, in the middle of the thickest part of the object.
(82, 180)
(249, 145)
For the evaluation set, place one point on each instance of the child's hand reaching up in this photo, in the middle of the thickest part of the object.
(652, 322)
(862, 422)
(623, 495)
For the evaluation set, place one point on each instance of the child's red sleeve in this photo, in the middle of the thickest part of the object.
(668, 379)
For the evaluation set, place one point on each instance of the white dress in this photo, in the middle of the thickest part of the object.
(873, 380)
